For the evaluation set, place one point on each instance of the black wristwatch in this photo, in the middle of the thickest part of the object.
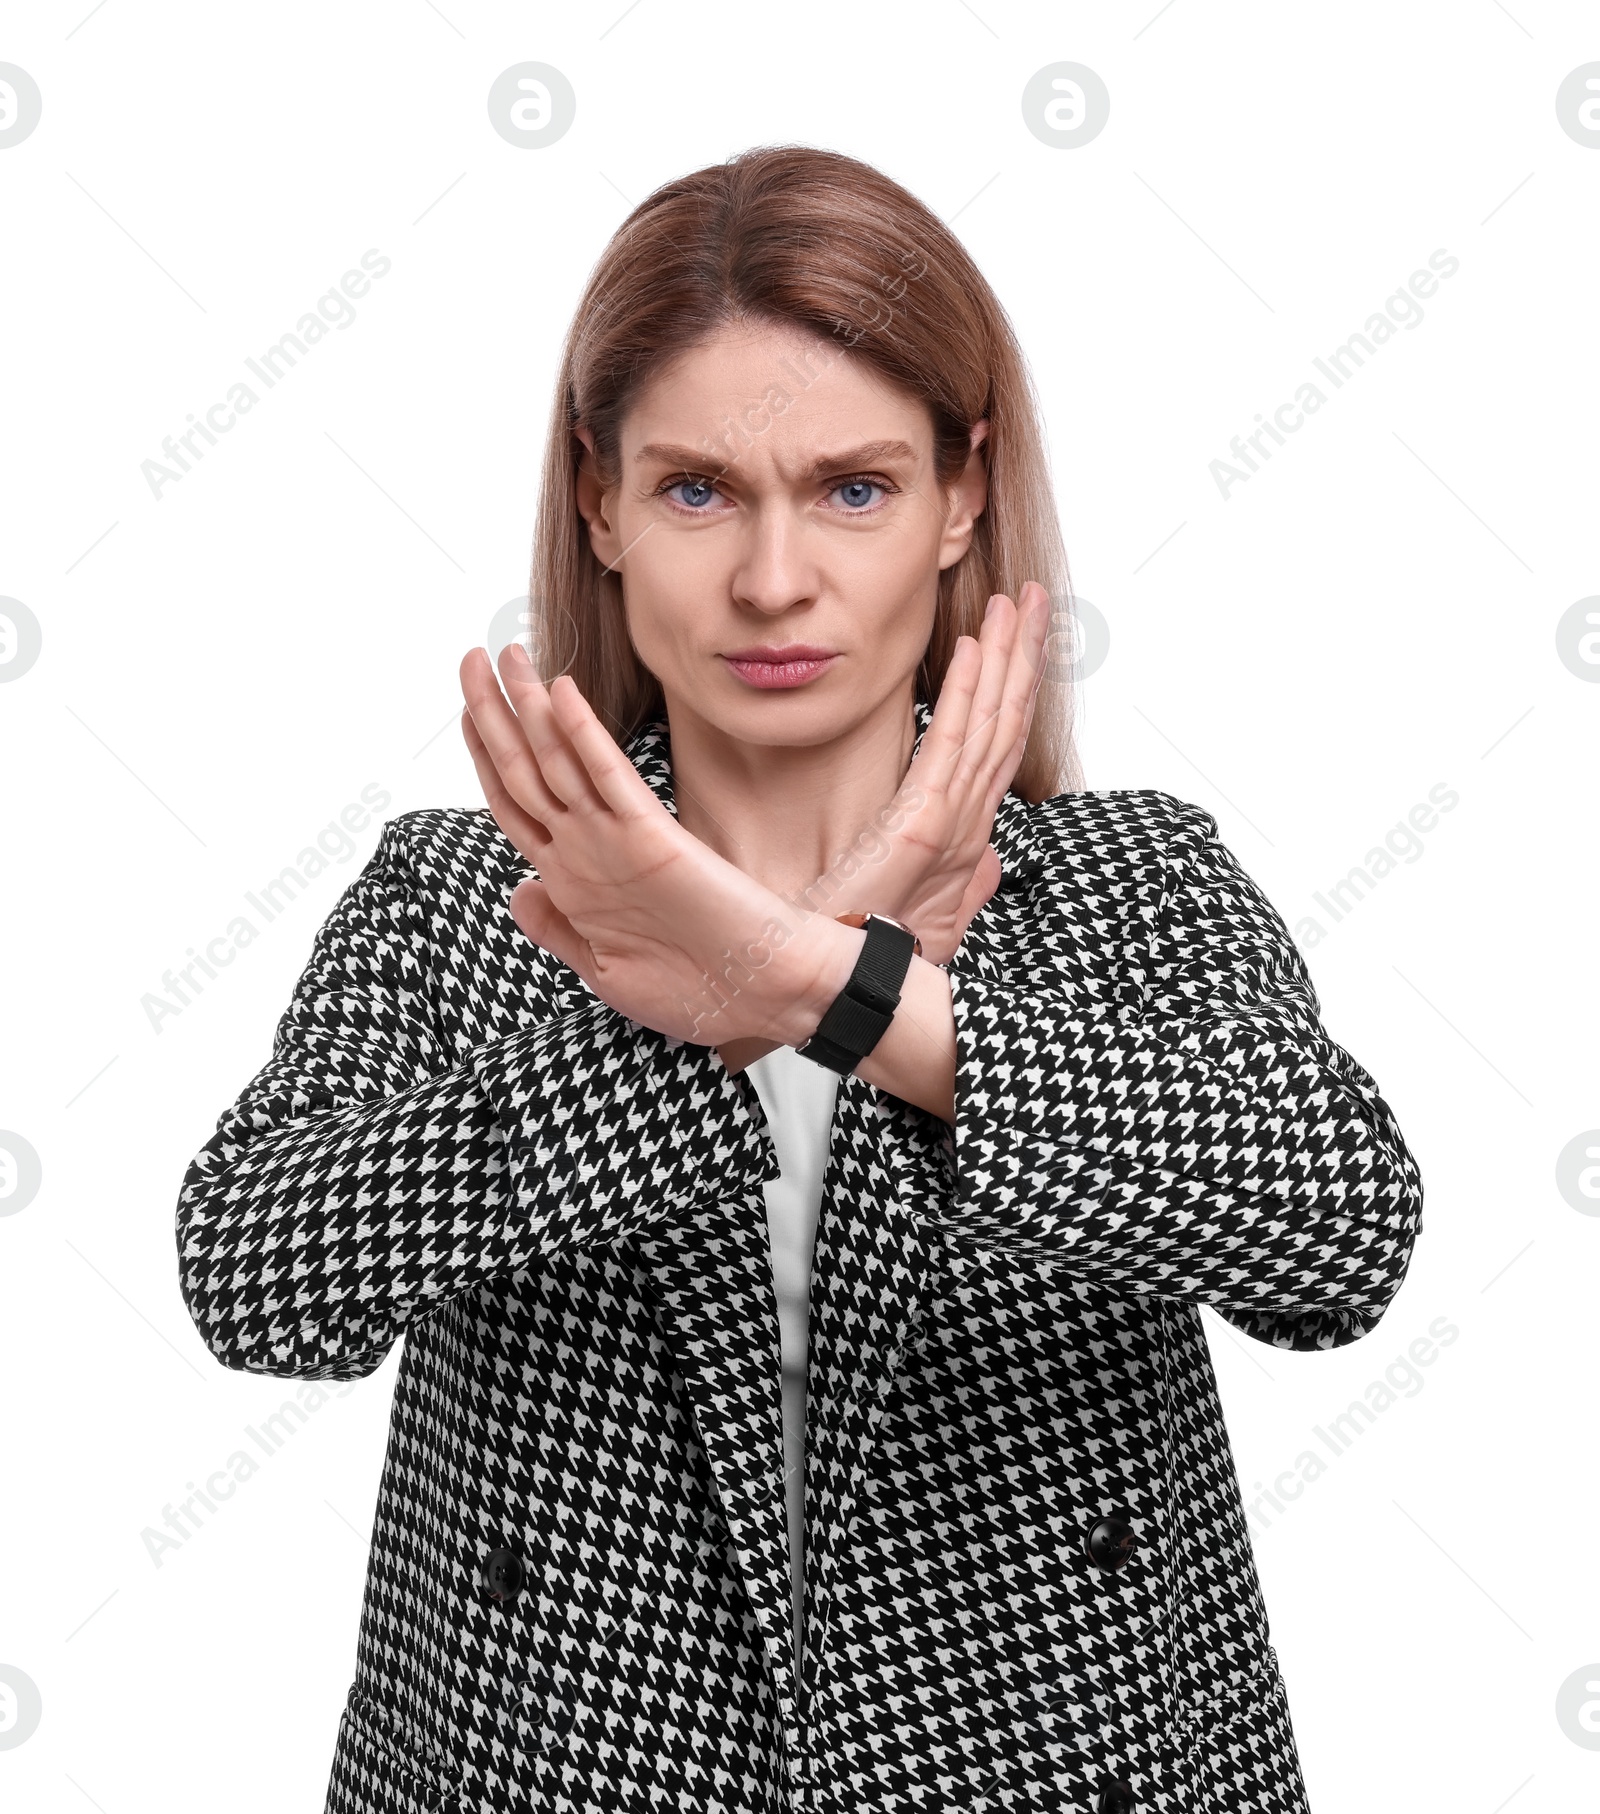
(859, 1014)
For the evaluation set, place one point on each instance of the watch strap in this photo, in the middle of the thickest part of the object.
(860, 1013)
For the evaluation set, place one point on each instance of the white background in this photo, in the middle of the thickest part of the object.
(225, 667)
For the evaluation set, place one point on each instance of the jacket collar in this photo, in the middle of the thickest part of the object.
(649, 749)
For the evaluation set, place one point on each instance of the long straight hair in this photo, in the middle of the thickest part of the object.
(825, 243)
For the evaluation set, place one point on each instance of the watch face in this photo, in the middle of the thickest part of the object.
(860, 919)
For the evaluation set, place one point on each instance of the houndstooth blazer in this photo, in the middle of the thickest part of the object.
(1029, 1579)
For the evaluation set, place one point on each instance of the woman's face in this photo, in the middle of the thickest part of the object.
(775, 495)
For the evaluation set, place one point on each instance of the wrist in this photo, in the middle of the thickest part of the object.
(861, 1011)
(822, 956)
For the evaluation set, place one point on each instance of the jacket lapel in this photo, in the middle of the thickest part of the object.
(889, 1177)
(888, 1173)
(711, 1278)
(869, 1277)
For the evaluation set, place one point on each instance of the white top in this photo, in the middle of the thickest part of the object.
(797, 1095)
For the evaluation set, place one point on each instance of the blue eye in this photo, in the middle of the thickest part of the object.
(857, 492)
(703, 491)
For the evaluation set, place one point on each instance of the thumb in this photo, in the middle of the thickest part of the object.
(537, 915)
(980, 889)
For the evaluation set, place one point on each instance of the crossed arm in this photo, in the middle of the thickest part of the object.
(1184, 1129)
(1195, 1137)
(639, 908)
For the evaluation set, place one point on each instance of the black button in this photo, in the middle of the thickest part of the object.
(1018, 877)
(1115, 1798)
(1111, 1542)
(503, 1574)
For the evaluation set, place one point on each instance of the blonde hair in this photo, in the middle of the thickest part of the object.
(828, 244)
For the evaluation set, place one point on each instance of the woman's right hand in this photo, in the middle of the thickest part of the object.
(939, 867)
(657, 925)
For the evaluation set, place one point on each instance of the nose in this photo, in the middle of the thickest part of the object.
(775, 571)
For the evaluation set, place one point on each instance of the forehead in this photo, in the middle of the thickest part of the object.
(774, 393)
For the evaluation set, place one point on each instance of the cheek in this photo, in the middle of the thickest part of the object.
(670, 585)
(891, 577)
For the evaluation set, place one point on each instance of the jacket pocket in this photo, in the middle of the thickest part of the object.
(1234, 1752)
(382, 1765)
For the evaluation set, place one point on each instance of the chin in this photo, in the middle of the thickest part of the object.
(787, 719)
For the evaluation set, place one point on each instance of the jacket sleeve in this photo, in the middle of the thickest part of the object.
(1196, 1134)
(368, 1173)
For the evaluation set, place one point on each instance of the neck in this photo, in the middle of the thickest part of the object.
(786, 813)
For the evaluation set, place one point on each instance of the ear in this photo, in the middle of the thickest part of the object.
(593, 505)
(968, 496)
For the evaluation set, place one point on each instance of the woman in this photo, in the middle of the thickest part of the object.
(805, 1402)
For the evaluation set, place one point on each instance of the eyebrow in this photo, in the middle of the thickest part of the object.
(696, 459)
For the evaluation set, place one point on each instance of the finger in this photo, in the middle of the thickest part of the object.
(614, 778)
(503, 737)
(537, 915)
(981, 887)
(522, 801)
(501, 755)
(1024, 672)
(558, 762)
(527, 833)
(1034, 644)
(1010, 747)
(1037, 641)
(1006, 772)
(996, 641)
(941, 744)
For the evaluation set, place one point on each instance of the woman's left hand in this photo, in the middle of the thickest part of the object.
(937, 868)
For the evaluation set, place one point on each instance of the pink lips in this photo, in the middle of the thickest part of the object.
(771, 669)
